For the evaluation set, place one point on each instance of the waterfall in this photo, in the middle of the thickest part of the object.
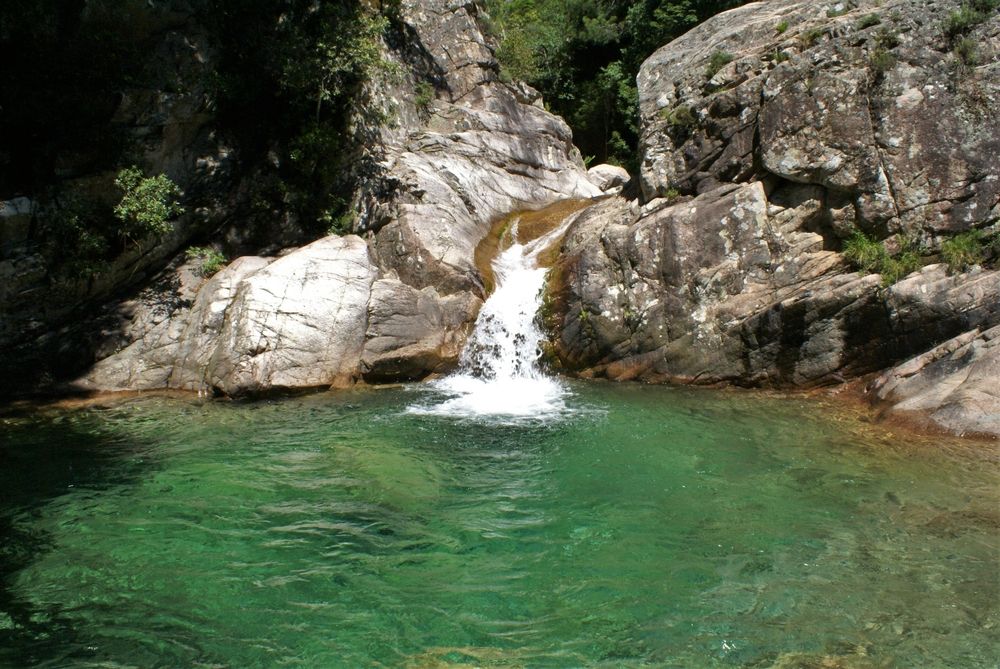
(498, 372)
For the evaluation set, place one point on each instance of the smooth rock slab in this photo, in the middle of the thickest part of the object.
(299, 322)
(956, 385)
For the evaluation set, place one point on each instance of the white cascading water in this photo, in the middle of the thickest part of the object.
(498, 372)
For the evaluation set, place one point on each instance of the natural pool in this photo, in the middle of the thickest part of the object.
(640, 527)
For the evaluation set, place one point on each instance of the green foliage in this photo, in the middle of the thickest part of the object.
(833, 12)
(967, 52)
(810, 37)
(899, 267)
(967, 17)
(718, 60)
(339, 218)
(424, 96)
(871, 256)
(147, 204)
(76, 236)
(301, 67)
(583, 56)
(886, 39)
(781, 27)
(964, 250)
(207, 260)
(329, 60)
(881, 61)
(681, 117)
(864, 252)
(869, 21)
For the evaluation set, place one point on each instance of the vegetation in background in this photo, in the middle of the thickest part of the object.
(286, 76)
(810, 37)
(206, 259)
(301, 67)
(880, 58)
(967, 52)
(147, 204)
(584, 55)
(870, 255)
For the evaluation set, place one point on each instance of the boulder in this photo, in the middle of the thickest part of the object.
(611, 179)
(954, 385)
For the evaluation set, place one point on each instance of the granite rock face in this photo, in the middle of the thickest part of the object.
(871, 106)
(396, 301)
(755, 172)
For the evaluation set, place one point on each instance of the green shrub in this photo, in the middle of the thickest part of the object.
(964, 250)
(864, 252)
(967, 17)
(871, 256)
(869, 21)
(681, 117)
(834, 13)
(967, 52)
(339, 219)
(898, 267)
(810, 37)
(881, 61)
(781, 27)
(76, 236)
(886, 39)
(147, 204)
(207, 260)
(424, 96)
(718, 60)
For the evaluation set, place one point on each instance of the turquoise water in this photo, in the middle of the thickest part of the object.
(647, 527)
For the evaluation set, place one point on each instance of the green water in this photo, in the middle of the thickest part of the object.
(653, 527)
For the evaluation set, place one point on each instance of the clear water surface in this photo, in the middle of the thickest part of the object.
(638, 527)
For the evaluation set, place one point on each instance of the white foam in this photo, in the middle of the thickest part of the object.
(498, 372)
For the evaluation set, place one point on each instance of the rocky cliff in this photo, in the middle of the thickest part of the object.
(775, 136)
